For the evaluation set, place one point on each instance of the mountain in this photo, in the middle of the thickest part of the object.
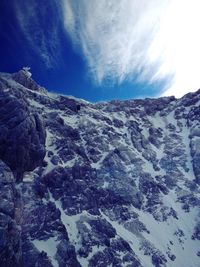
(106, 184)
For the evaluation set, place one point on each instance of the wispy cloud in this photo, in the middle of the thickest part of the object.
(151, 40)
(40, 26)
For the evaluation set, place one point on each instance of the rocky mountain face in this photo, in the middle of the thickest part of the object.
(106, 184)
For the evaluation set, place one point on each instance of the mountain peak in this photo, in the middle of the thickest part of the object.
(27, 72)
(24, 77)
(90, 185)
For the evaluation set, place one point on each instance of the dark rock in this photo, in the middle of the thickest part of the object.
(196, 234)
(66, 255)
(158, 260)
(22, 136)
(55, 160)
(10, 234)
(32, 257)
(23, 77)
(103, 228)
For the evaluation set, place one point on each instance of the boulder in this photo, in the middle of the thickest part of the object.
(22, 135)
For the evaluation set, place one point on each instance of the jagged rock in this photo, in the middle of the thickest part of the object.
(23, 77)
(118, 186)
(66, 255)
(195, 152)
(196, 234)
(32, 257)
(22, 135)
(10, 234)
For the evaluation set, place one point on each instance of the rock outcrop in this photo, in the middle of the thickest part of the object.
(106, 184)
(22, 135)
(10, 230)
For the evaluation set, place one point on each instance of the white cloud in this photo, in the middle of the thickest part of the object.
(42, 35)
(152, 40)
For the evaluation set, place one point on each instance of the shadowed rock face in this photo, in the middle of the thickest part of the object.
(10, 234)
(23, 77)
(22, 135)
(118, 185)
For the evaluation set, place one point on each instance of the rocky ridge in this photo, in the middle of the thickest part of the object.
(107, 184)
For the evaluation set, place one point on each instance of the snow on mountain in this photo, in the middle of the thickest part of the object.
(108, 184)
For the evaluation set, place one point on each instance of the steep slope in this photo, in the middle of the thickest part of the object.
(118, 186)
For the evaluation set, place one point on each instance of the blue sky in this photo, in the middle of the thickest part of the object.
(103, 50)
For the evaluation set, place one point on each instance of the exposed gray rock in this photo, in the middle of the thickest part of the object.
(23, 77)
(118, 186)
